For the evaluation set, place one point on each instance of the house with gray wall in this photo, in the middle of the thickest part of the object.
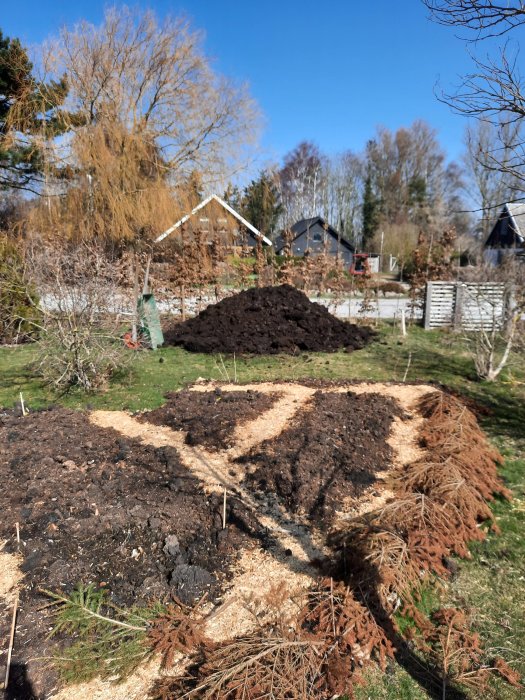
(316, 236)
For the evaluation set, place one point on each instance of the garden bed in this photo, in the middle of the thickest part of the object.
(134, 505)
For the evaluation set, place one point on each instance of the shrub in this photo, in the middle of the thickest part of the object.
(81, 344)
(19, 313)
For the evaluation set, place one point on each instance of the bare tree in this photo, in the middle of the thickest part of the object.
(502, 330)
(484, 17)
(153, 77)
(301, 182)
(494, 91)
(341, 193)
(408, 175)
(147, 111)
(487, 187)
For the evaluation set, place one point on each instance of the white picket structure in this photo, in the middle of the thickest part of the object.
(464, 305)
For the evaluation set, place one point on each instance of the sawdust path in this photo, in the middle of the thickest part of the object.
(269, 423)
(217, 470)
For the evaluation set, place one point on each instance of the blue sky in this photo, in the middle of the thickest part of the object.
(323, 71)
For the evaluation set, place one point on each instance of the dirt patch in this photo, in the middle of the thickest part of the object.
(267, 321)
(331, 452)
(97, 507)
(138, 509)
(210, 418)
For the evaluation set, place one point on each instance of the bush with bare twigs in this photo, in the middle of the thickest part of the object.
(80, 342)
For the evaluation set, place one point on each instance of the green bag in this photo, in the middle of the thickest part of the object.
(149, 320)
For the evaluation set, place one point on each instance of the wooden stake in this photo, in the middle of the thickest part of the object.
(224, 510)
(145, 286)
(11, 642)
(22, 404)
(403, 323)
(17, 532)
(408, 366)
(134, 332)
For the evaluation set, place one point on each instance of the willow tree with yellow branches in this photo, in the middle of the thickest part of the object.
(145, 111)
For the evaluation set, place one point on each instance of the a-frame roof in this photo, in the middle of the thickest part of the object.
(515, 213)
(223, 204)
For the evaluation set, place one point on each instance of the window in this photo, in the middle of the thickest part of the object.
(317, 237)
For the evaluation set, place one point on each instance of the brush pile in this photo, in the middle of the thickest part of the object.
(332, 638)
(267, 321)
(440, 505)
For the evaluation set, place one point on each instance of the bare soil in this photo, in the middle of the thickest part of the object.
(266, 321)
(210, 418)
(97, 507)
(330, 452)
(135, 507)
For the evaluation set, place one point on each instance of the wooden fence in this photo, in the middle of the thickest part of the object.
(464, 305)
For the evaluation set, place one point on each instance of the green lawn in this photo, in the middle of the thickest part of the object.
(492, 584)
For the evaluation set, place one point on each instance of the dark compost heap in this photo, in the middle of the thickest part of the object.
(267, 321)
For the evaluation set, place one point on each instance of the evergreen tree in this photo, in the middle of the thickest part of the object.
(370, 214)
(261, 204)
(233, 196)
(28, 109)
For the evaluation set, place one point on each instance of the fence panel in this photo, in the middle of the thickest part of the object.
(468, 306)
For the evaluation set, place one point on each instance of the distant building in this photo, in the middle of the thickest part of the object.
(316, 236)
(214, 219)
(507, 236)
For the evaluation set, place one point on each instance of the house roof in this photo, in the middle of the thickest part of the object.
(224, 205)
(300, 227)
(517, 215)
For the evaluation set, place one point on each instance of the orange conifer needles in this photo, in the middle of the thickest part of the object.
(440, 505)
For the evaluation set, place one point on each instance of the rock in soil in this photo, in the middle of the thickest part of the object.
(267, 321)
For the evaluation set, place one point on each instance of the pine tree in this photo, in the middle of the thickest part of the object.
(29, 112)
(261, 203)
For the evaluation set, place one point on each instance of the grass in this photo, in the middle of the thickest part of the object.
(492, 583)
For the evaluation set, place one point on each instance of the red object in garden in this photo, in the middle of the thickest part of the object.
(360, 265)
(129, 342)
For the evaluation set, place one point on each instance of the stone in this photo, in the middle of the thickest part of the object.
(171, 545)
(190, 582)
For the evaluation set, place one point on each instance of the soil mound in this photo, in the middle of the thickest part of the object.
(331, 451)
(267, 321)
(210, 418)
